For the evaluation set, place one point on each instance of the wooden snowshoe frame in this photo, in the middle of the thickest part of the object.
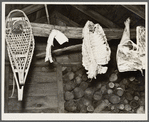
(20, 47)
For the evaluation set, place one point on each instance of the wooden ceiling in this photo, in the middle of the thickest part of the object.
(70, 19)
(108, 16)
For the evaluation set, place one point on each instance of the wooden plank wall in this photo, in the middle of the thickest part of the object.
(43, 90)
(40, 93)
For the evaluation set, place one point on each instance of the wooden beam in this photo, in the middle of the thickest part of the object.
(30, 9)
(60, 51)
(60, 89)
(43, 30)
(6, 89)
(136, 9)
(65, 19)
(41, 20)
(96, 16)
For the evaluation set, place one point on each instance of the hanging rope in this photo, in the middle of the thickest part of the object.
(46, 9)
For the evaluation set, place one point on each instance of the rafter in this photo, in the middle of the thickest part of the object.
(96, 16)
(136, 9)
(30, 9)
(65, 19)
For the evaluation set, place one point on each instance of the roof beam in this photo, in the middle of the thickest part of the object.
(136, 9)
(43, 30)
(30, 9)
(96, 16)
(65, 19)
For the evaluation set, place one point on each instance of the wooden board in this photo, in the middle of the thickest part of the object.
(37, 110)
(42, 89)
(35, 102)
(60, 89)
(37, 77)
(6, 83)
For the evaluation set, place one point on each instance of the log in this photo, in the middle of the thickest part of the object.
(128, 96)
(100, 107)
(89, 93)
(83, 109)
(69, 86)
(84, 77)
(60, 51)
(70, 106)
(78, 92)
(111, 85)
(78, 80)
(114, 99)
(140, 110)
(71, 75)
(86, 101)
(132, 78)
(43, 30)
(103, 89)
(90, 108)
(121, 106)
(127, 107)
(113, 77)
(134, 104)
(109, 91)
(97, 95)
(83, 85)
(120, 91)
(69, 95)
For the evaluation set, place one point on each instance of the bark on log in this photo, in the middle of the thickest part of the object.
(100, 107)
(44, 30)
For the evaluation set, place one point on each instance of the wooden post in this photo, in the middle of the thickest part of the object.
(60, 89)
(6, 88)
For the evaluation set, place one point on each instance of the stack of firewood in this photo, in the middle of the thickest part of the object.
(116, 95)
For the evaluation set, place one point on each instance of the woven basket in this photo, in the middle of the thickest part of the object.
(20, 46)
